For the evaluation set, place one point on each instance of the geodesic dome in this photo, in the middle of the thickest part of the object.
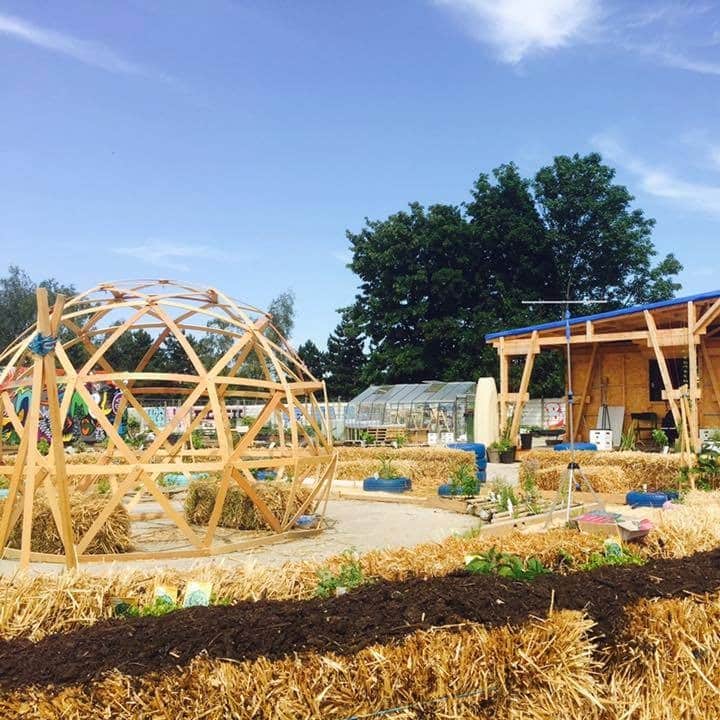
(58, 384)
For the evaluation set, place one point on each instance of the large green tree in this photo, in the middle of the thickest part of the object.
(345, 360)
(434, 281)
(18, 307)
(314, 358)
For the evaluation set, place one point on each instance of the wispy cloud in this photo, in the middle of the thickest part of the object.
(90, 53)
(517, 28)
(660, 182)
(170, 255)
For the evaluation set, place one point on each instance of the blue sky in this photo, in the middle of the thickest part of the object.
(233, 143)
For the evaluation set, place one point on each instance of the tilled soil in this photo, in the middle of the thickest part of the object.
(377, 613)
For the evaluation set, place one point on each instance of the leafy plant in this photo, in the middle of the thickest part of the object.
(401, 440)
(349, 576)
(387, 469)
(531, 493)
(43, 446)
(505, 565)
(628, 440)
(367, 438)
(503, 495)
(624, 557)
(464, 479)
(707, 470)
(714, 435)
(197, 440)
(103, 486)
(660, 437)
(79, 446)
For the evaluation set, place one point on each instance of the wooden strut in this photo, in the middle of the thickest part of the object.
(286, 387)
(524, 384)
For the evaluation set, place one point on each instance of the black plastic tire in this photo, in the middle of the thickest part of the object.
(394, 485)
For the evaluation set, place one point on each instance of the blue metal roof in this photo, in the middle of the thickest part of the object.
(713, 294)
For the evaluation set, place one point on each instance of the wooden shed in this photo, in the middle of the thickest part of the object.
(642, 359)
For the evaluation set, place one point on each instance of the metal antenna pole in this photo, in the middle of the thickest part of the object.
(573, 465)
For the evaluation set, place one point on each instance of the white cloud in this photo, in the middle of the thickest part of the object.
(659, 182)
(170, 255)
(519, 27)
(86, 52)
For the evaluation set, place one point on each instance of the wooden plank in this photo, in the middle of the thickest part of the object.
(48, 327)
(662, 365)
(504, 382)
(583, 396)
(708, 316)
(524, 384)
(710, 372)
(693, 395)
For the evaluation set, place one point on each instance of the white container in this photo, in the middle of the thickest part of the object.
(602, 438)
(432, 438)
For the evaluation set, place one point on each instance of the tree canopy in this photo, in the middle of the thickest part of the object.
(435, 280)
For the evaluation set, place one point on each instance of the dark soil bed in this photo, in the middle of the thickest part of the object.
(378, 613)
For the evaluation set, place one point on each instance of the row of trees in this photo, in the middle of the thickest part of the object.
(434, 281)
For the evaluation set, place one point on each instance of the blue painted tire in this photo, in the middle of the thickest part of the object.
(637, 498)
(447, 490)
(482, 476)
(589, 447)
(393, 485)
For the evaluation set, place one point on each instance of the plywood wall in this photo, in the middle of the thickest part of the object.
(625, 367)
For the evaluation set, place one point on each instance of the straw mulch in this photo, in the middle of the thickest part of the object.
(638, 468)
(239, 511)
(668, 664)
(545, 671)
(113, 537)
(603, 478)
(427, 467)
(34, 606)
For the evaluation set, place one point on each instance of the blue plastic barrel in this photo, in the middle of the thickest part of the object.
(477, 448)
(448, 490)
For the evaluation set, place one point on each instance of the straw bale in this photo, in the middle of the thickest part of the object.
(557, 678)
(639, 468)
(667, 665)
(428, 467)
(603, 478)
(239, 512)
(113, 537)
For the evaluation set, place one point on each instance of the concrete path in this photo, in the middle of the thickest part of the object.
(362, 525)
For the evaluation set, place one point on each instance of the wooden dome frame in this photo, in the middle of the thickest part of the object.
(166, 310)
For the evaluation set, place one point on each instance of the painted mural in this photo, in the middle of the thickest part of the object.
(80, 423)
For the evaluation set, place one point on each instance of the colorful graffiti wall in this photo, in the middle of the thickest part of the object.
(80, 423)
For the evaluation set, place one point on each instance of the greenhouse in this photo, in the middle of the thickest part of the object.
(429, 412)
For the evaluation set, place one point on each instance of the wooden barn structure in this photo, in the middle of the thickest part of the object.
(645, 359)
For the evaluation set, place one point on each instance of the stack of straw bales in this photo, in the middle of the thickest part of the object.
(615, 471)
(427, 467)
(239, 511)
(113, 537)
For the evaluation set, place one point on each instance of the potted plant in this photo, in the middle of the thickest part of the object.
(503, 449)
(526, 438)
(660, 439)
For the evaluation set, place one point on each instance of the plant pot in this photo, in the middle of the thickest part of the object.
(508, 456)
(493, 455)
(526, 441)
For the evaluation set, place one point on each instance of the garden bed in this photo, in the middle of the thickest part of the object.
(382, 612)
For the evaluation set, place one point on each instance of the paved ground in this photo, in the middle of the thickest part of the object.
(363, 525)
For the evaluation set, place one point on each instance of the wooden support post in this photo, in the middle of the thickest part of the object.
(47, 327)
(693, 395)
(662, 365)
(524, 384)
(585, 390)
(504, 382)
